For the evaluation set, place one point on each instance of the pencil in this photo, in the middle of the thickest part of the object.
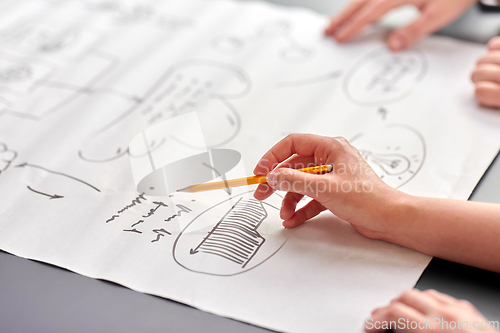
(321, 169)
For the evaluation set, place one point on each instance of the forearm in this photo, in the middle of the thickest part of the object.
(464, 232)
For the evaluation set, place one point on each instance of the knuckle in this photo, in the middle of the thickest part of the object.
(431, 292)
(394, 310)
(466, 304)
(480, 92)
(407, 294)
(430, 15)
(342, 142)
(494, 43)
(449, 313)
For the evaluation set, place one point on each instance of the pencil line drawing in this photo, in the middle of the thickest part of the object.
(382, 77)
(311, 80)
(20, 79)
(235, 236)
(240, 240)
(7, 156)
(181, 89)
(202, 86)
(293, 51)
(24, 165)
(51, 196)
(397, 153)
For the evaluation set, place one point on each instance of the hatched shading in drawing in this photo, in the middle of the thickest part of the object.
(235, 237)
(232, 237)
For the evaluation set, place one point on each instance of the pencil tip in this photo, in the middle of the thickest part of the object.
(185, 189)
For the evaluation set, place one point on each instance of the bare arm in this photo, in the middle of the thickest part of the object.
(464, 232)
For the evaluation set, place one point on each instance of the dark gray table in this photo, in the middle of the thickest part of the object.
(37, 297)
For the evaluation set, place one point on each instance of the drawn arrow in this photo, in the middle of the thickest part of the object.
(191, 251)
(55, 196)
(22, 165)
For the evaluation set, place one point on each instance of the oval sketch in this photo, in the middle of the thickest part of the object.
(383, 77)
(231, 237)
(396, 153)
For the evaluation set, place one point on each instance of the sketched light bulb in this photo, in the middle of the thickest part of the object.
(392, 164)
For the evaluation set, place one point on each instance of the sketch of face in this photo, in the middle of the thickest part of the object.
(203, 86)
(7, 156)
(396, 153)
(382, 77)
(231, 237)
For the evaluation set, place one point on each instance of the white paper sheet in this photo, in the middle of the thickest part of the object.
(80, 79)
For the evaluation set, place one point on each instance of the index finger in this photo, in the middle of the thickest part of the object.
(340, 19)
(300, 144)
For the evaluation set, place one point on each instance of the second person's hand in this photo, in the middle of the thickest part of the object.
(434, 14)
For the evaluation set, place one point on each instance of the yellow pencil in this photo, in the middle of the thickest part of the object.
(321, 169)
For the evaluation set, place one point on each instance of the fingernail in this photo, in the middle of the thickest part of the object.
(272, 179)
(397, 43)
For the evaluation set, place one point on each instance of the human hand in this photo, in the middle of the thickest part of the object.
(432, 311)
(486, 76)
(434, 14)
(352, 191)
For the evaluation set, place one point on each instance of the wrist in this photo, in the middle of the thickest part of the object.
(396, 209)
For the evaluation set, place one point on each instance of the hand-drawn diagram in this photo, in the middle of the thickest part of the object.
(7, 156)
(204, 86)
(22, 77)
(128, 14)
(396, 154)
(58, 174)
(43, 49)
(232, 237)
(382, 77)
(292, 52)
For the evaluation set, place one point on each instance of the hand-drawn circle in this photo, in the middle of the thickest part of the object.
(383, 77)
(396, 154)
(222, 240)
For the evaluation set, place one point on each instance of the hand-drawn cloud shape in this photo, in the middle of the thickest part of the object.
(7, 156)
(203, 86)
(383, 77)
(231, 237)
(396, 153)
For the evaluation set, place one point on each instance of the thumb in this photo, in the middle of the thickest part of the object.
(291, 180)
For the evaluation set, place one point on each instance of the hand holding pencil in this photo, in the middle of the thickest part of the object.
(351, 191)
